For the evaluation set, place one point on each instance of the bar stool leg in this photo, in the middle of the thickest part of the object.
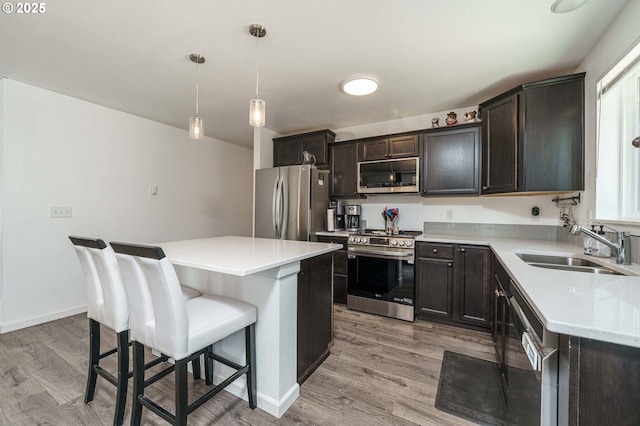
(250, 344)
(94, 359)
(209, 366)
(195, 366)
(123, 377)
(138, 383)
(181, 392)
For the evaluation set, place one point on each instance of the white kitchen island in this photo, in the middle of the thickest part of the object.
(262, 272)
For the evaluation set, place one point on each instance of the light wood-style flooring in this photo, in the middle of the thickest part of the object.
(380, 372)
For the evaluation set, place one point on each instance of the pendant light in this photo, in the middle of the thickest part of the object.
(196, 125)
(257, 107)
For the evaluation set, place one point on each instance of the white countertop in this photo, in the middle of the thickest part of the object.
(241, 255)
(596, 306)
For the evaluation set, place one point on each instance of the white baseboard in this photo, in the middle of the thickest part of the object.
(265, 402)
(17, 325)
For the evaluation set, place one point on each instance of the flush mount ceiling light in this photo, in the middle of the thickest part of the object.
(257, 107)
(196, 125)
(564, 6)
(360, 86)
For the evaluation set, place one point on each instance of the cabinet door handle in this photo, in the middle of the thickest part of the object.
(435, 250)
(449, 264)
(462, 250)
(484, 188)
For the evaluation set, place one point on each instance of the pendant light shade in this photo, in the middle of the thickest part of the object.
(257, 112)
(257, 107)
(196, 128)
(196, 125)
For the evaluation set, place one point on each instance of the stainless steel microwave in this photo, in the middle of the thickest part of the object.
(389, 176)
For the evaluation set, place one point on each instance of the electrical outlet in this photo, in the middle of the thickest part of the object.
(153, 189)
(60, 212)
(449, 214)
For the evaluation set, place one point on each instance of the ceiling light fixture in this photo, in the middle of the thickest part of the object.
(257, 107)
(564, 6)
(360, 86)
(196, 125)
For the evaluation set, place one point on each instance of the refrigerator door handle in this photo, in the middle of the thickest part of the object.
(275, 208)
(284, 208)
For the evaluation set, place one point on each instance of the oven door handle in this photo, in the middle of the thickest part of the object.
(352, 252)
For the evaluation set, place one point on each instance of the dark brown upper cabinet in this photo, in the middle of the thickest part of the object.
(451, 159)
(398, 146)
(344, 169)
(287, 150)
(533, 137)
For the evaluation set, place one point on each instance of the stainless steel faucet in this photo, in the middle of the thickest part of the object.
(622, 248)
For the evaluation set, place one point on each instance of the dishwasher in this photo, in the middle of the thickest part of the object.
(527, 355)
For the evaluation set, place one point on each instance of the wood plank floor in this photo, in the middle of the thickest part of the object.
(380, 372)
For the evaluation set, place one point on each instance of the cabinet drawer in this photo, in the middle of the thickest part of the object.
(438, 251)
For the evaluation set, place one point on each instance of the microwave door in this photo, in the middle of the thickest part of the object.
(387, 176)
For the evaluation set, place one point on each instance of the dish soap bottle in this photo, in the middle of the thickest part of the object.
(590, 247)
(603, 249)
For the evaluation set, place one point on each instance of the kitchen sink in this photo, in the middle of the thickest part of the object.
(566, 263)
(556, 260)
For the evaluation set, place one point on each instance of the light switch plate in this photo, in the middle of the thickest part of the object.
(60, 212)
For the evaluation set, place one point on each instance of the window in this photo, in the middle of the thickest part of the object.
(618, 160)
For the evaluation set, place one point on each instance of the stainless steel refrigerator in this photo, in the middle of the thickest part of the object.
(291, 202)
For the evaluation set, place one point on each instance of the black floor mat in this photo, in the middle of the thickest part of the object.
(470, 388)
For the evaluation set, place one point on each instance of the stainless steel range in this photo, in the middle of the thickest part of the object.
(381, 273)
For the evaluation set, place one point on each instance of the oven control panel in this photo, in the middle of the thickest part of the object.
(380, 241)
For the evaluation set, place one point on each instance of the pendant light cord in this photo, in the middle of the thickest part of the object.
(257, 64)
(197, 85)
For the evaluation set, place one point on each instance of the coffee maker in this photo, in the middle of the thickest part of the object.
(353, 218)
(339, 210)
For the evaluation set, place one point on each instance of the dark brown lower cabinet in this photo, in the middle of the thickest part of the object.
(603, 382)
(472, 288)
(339, 267)
(315, 314)
(454, 283)
(435, 283)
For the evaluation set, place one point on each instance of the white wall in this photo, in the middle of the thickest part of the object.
(61, 151)
(624, 32)
(2, 127)
(262, 159)
(406, 124)
(263, 147)
(414, 210)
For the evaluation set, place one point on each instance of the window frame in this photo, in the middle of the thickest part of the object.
(617, 189)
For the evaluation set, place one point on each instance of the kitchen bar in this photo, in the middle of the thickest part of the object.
(263, 272)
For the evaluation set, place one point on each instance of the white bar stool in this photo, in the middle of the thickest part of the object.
(184, 330)
(107, 305)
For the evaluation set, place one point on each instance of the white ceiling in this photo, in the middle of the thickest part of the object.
(428, 55)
